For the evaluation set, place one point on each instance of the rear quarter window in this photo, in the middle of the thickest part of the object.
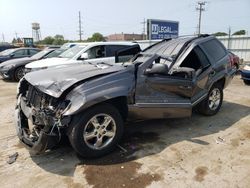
(214, 49)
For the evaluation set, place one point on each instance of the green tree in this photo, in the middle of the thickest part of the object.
(240, 32)
(218, 34)
(48, 40)
(14, 41)
(96, 37)
(58, 40)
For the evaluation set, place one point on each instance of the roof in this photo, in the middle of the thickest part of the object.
(169, 47)
(26, 48)
(106, 43)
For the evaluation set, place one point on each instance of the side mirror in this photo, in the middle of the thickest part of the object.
(12, 55)
(84, 56)
(158, 68)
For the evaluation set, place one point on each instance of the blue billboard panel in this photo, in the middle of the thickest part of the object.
(162, 29)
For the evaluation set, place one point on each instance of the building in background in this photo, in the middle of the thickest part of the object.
(125, 37)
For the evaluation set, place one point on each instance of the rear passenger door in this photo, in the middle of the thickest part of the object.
(218, 57)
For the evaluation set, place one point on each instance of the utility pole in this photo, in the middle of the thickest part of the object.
(16, 34)
(143, 28)
(3, 37)
(229, 38)
(80, 26)
(200, 9)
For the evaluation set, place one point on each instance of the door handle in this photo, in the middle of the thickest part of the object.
(212, 73)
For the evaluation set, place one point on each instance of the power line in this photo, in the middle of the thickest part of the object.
(80, 26)
(200, 9)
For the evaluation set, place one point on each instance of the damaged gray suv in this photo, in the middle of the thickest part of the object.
(90, 102)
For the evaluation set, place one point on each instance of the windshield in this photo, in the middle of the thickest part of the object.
(7, 52)
(70, 53)
(55, 53)
(41, 54)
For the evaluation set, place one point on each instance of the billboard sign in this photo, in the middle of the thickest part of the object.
(162, 29)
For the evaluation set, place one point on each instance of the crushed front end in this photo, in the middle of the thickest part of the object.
(38, 117)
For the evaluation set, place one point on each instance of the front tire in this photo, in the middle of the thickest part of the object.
(18, 73)
(212, 103)
(247, 82)
(96, 131)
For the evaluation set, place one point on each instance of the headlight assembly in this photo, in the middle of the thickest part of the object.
(77, 100)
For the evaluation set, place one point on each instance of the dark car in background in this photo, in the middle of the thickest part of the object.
(17, 53)
(14, 69)
(5, 46)
(245, 74)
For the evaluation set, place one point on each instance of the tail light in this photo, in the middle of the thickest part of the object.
(231, 60)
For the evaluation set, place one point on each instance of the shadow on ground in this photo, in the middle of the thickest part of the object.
(146, 138)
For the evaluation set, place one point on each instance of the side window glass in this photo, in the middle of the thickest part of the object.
(19, 53)
(33, 52)
(126, 53)
(202, 57)
(214, 49)
(96, 52)
(112, 49)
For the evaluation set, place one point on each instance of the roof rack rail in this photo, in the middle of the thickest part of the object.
(164, 40)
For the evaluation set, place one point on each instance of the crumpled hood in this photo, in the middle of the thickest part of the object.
(49, 62)
(56, 80)
(17, 61)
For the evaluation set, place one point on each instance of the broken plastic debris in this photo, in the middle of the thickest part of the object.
(12, 158)
(220, 140)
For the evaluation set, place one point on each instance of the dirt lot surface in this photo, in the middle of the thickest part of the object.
(193, 152)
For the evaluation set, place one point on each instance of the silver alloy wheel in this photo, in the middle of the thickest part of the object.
(99, 131)
(214, 99)
(20, 73)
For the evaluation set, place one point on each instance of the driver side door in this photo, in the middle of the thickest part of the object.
(162, 96)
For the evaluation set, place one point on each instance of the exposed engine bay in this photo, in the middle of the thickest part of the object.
(40, 117)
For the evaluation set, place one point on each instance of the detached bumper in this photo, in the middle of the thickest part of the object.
(45, 141)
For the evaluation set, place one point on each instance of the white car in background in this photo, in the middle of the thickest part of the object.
(86, 52)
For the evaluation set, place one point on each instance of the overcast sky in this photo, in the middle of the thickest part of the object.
(116, 16)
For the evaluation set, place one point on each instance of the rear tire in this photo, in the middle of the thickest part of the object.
(96, 131)
(212, 103)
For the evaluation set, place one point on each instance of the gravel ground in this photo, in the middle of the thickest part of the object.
(192, 152)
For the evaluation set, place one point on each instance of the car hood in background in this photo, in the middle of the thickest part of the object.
(56, 80)
(49, 62)
(17, 61)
